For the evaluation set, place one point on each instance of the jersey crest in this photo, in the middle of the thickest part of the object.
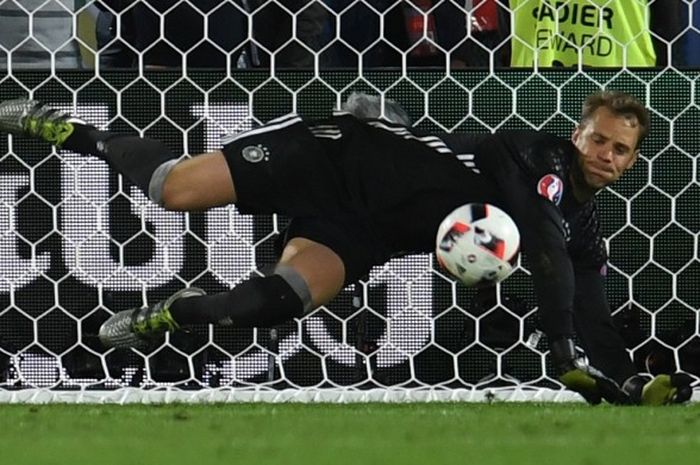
(551, 187)
(255, 153)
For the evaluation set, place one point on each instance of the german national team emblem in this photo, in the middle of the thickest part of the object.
(255, 153)
(551, 187)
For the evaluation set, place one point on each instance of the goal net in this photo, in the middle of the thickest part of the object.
(78, 242)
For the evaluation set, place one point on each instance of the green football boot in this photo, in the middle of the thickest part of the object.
(33, 119)
(578, 376)
(663, 389)
(141, 327)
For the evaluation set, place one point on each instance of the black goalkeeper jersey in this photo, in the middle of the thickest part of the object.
(532, 171)
(403, 184)
(406, 183)
(528, 174)
(560, 236)
(371, 190)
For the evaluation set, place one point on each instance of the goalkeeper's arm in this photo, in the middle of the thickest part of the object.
(599, 337)
(553, 274)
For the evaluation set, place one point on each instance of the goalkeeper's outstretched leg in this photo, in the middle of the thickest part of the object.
(310, 272)
(173, 182)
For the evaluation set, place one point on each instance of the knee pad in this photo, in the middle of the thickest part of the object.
(297, 283)
(155, 186)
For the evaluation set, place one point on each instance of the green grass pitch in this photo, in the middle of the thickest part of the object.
(289, 434)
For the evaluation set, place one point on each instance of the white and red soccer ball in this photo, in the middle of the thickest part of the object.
(478, 244)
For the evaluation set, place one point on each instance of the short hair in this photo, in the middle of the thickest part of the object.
(619, 104)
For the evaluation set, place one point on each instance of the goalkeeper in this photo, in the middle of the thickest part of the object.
(347, 181)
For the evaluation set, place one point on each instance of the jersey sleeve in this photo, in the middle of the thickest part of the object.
(519, 162)
(587, 248)
(600, 338)
(544, 244)
(516, 161)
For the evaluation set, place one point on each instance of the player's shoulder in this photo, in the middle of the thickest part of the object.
(530, 137)
(538, 152)
(348, 120)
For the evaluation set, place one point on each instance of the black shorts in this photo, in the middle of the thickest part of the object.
(284, 168)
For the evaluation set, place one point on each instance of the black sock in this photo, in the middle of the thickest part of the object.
(258, 302)
(84, 139)
(134, 157)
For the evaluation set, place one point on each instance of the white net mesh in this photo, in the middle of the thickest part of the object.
(79, 243)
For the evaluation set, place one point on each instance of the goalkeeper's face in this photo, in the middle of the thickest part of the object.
(607, 145)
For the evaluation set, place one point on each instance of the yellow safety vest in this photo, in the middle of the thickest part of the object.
(604, 33)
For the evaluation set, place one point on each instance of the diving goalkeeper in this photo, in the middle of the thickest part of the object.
(345, 182)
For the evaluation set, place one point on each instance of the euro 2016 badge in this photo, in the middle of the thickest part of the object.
(551, 187)
(255, 153)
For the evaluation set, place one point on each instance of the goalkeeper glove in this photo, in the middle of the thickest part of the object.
(365, 106)
(660, 390)
(578, 376)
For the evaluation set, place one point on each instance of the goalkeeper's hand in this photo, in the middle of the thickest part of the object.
(366, 106)
(574, 373)
(660, 390)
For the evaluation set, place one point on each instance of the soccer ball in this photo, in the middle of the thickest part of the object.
(478, 244)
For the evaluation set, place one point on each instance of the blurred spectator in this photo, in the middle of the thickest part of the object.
(605, 33)
(366, 31)
(125, 26)
(437, 33)
(667, 25)
(691, 39)
(457, 33)
(380, 33)
(489, 30)
(434, 33)
(420, 40)
(227, 41)
(38, 34)
(114, 30)
(272, 30)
